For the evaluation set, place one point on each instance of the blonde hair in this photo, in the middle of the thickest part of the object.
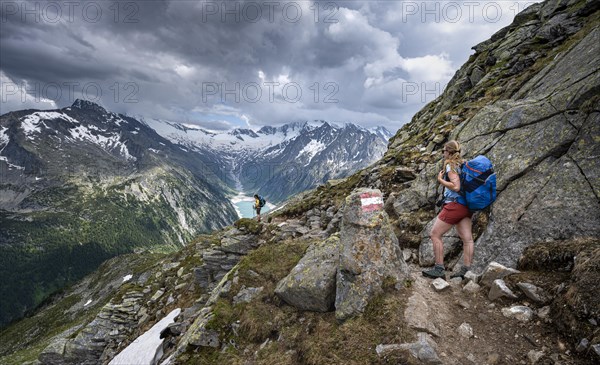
(454, 150)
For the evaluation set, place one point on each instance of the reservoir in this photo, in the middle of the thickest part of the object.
(244, 205)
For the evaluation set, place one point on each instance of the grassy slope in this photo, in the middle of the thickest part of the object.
(47, 250)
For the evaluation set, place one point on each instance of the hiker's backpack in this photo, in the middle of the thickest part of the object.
(478, 183)
(261, 201)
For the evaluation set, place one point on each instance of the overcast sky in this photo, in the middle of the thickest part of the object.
(242, 63)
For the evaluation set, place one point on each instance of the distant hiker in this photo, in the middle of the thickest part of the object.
(259, 202)
(454, 212)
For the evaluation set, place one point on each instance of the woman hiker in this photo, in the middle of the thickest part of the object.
(257, 206)
(454, 213)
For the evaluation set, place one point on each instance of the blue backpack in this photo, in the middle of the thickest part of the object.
(261, 201)
(477, 183)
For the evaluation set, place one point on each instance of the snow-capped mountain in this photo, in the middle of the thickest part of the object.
(280, 161)
(235, 140)
(80, 184)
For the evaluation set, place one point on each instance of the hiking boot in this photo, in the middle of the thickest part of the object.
(460, 273)
(436, 272)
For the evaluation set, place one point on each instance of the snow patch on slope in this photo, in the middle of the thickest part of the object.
(31, 123)
(147, 348)
(4, 138)
(311, 149)
(109, 143)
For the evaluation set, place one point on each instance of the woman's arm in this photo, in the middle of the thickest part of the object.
(453, 184)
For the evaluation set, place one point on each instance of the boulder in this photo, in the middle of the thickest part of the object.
(472, 287)
(203, 337)
(476, 75)
(471, 276)
(311, 283)
(198, 335)
(369, 253)
(54, 352)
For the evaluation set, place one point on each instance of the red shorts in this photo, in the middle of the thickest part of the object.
(452, 213)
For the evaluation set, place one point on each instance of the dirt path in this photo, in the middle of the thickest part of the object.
(496, 339)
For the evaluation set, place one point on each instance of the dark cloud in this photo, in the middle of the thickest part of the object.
(162, 59)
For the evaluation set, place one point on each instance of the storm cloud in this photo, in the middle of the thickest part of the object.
(223, 64)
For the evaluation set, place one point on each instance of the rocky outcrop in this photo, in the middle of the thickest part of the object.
(219, 259)
(369, 254)
(311, 283)
(98, 340)
(527, 99)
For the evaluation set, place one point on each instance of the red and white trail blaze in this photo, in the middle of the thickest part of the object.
(371, 202)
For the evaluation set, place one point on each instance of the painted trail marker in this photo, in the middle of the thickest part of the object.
(371, 202)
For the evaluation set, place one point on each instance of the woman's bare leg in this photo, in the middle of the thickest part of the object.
(437, 231)
(464, 228)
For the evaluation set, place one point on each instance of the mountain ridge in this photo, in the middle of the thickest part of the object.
(273, 161)
(80, 184)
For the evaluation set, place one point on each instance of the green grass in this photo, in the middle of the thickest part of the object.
(48, 250)
(52, 323)
(297, 337)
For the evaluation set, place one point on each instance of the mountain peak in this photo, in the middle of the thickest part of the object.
(87, 105)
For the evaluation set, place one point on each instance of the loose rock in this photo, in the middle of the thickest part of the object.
(440, 284)
(533, 292)
(472, 287)
(499, 289)
(495, 271)
(465, 330)
(246, 295)
(424, 349)
(519, 312)
(535, 356)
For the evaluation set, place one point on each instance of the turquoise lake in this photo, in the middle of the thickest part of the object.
(245, 207)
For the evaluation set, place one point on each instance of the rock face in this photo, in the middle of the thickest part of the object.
(528, 100)
(219, 259)
(311, 283)
(369, 253)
